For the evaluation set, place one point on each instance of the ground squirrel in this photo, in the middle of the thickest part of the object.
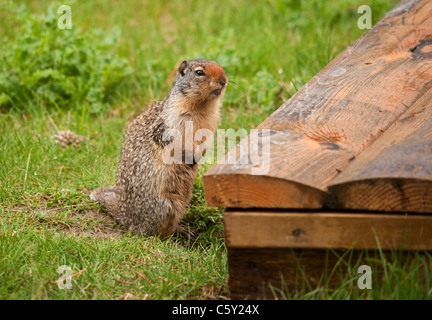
(150, 196)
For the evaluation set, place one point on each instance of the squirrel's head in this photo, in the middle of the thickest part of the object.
(201, 80)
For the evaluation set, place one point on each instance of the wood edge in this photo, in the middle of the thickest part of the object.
(396, 194)
(231, 190)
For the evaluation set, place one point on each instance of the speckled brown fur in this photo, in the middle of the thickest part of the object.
(150, 197)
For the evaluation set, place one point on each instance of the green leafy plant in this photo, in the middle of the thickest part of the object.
(58, 68)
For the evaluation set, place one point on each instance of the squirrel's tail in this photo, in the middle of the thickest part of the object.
(109, 197)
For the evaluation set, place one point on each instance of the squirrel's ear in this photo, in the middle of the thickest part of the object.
(182, 67)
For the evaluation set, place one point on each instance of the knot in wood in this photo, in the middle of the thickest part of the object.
(297, 232)
(423, 49)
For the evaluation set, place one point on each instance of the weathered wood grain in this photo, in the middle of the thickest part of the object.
(249, 229)
(335, 117)
(395, 172)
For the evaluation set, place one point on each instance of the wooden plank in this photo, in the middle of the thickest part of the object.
(246, 229)
(334, 117)
(395, 172)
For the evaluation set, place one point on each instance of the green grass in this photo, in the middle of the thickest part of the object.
(269, 49)
(395, 275)
(123, 267)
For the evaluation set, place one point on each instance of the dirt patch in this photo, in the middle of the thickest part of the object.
(103, 226)
(92, 223)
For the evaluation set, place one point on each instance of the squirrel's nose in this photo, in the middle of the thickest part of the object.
(223, 80)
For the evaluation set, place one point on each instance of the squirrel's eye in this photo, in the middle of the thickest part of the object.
(199, 72)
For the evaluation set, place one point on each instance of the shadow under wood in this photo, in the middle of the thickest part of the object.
(280, 273)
